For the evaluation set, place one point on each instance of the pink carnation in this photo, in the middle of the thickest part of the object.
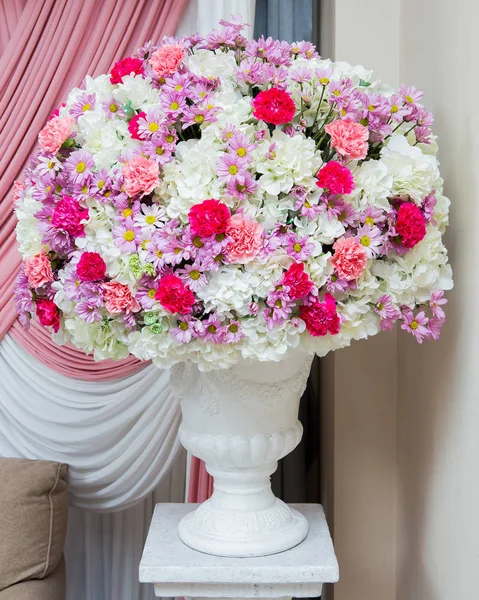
(297, 280)
(349, 258)
(349, 139)
(18, 188)
(141, 175)
(274, 106)
(38, 270)
(91, 267)
(410, 224)
(335, 178)
(245, 239)
(47, 313)
(321, 317)
(118, 298)
(167, 59)
(174, 296)
(68, 215)
(55, 132)
(210, 217)
(127, 66)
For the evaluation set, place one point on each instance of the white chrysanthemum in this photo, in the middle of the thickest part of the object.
(205, 63)
(105, 139)
(414, 174)
(262, 344)
(294, 162)
(137, 91)
(147, 345)
(98, 337)
(228, 290)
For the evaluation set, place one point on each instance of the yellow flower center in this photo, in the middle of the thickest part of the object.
(195, 275)
(414, 325)
(48, 188)
(100, 185)
(307, 204)
(233, 169)
(144, 243)
(113, 108)
(364, 122)
(211, 328)
(151, 294)
(365, 241)
(159, 150)
(50, 164)
(324, 81)
(177, 250)
(229, 135)
(233, 328)
(394, 108)
(84, 189)
(279, 303)
(127, 212)
(410, 100)
(197, 242)
(336, 93)
(297, 247)
(219, 237)
(77, 283)
(81, 166)
(159, 254)
(241, 152)
(199, 119)
(183, 326)
(178, 87)
(170, 138)
(86, 107)
(371, 107)
(153, 127)
(129, 235)
(150, 219)
(107, 193)
(369, 221)
(379, 305)
(343, 112)
(174, 106)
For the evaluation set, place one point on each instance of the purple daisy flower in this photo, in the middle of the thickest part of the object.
(371, 239)
(87, 311)
(146, 292)
(241, 185)
(127, 236)
(113, 108)
(192, 276)
(185, 330)
(229, 166)
(386, 311)
(78, 166)
(417, 325)
(299, 248)
(83, 104)
(436, 302)
(232, 333)
(211, 329)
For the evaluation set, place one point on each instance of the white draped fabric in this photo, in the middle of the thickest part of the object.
(119, 437)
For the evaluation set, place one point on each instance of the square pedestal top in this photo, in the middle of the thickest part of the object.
(176, 570)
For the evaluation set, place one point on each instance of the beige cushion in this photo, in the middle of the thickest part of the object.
(33, 518)
(52, 587)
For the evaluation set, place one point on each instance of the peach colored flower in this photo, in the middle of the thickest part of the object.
(118, 298)
(349, 139)
(349, 258)
(141, 175)
(38, 270)
(55, 132)
(18, 188)
(167, 59)
(245, 239)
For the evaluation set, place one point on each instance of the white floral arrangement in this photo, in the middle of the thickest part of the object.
(217, 198)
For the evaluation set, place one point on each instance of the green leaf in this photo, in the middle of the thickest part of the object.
(363, 83)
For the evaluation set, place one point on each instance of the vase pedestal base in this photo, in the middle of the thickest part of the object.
(174, 569)
(243, 534)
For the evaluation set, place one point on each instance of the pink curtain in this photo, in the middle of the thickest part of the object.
(47, 47)
(200, 486)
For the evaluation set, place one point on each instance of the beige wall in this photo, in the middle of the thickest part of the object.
(438, 407)
(401, 421)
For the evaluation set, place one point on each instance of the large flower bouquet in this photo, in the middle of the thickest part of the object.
(216, 198)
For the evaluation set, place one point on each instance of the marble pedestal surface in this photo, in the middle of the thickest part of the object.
(174, 569)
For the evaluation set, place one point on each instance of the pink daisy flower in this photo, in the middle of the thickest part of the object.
(417, 325)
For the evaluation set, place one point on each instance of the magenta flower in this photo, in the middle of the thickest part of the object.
(146, 292)
(299, 248)
(435, 326)
(230, 165)
(386, 311)
(211, 329)
(113, 108)
(185, 330)
(240, 145)
(150, 124)
(279, 308)
(197, 114)
(231, 333)
(373, 216)
(336, 284)
(192, 276)
(24, 304)
(87, 311)
(417, 325)
(241, 185)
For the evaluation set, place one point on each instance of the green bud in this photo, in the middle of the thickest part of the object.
(135, 267)
(156, 328)
(150, 318)
(149, 269)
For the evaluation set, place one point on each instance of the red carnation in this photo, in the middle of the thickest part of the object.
(274, 106)
(297, 280)
(335, 178)
(47, 313)
(210, 217)
(91, 267)
(133, 125)
(321, 317)
(127, 66)
(410, 224)
(174, 296)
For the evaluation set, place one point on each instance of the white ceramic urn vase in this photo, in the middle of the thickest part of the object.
(241, 421)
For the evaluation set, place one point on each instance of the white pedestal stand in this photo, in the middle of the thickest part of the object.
(174, 569)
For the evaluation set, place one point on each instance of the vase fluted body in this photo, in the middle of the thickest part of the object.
(241, 421)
